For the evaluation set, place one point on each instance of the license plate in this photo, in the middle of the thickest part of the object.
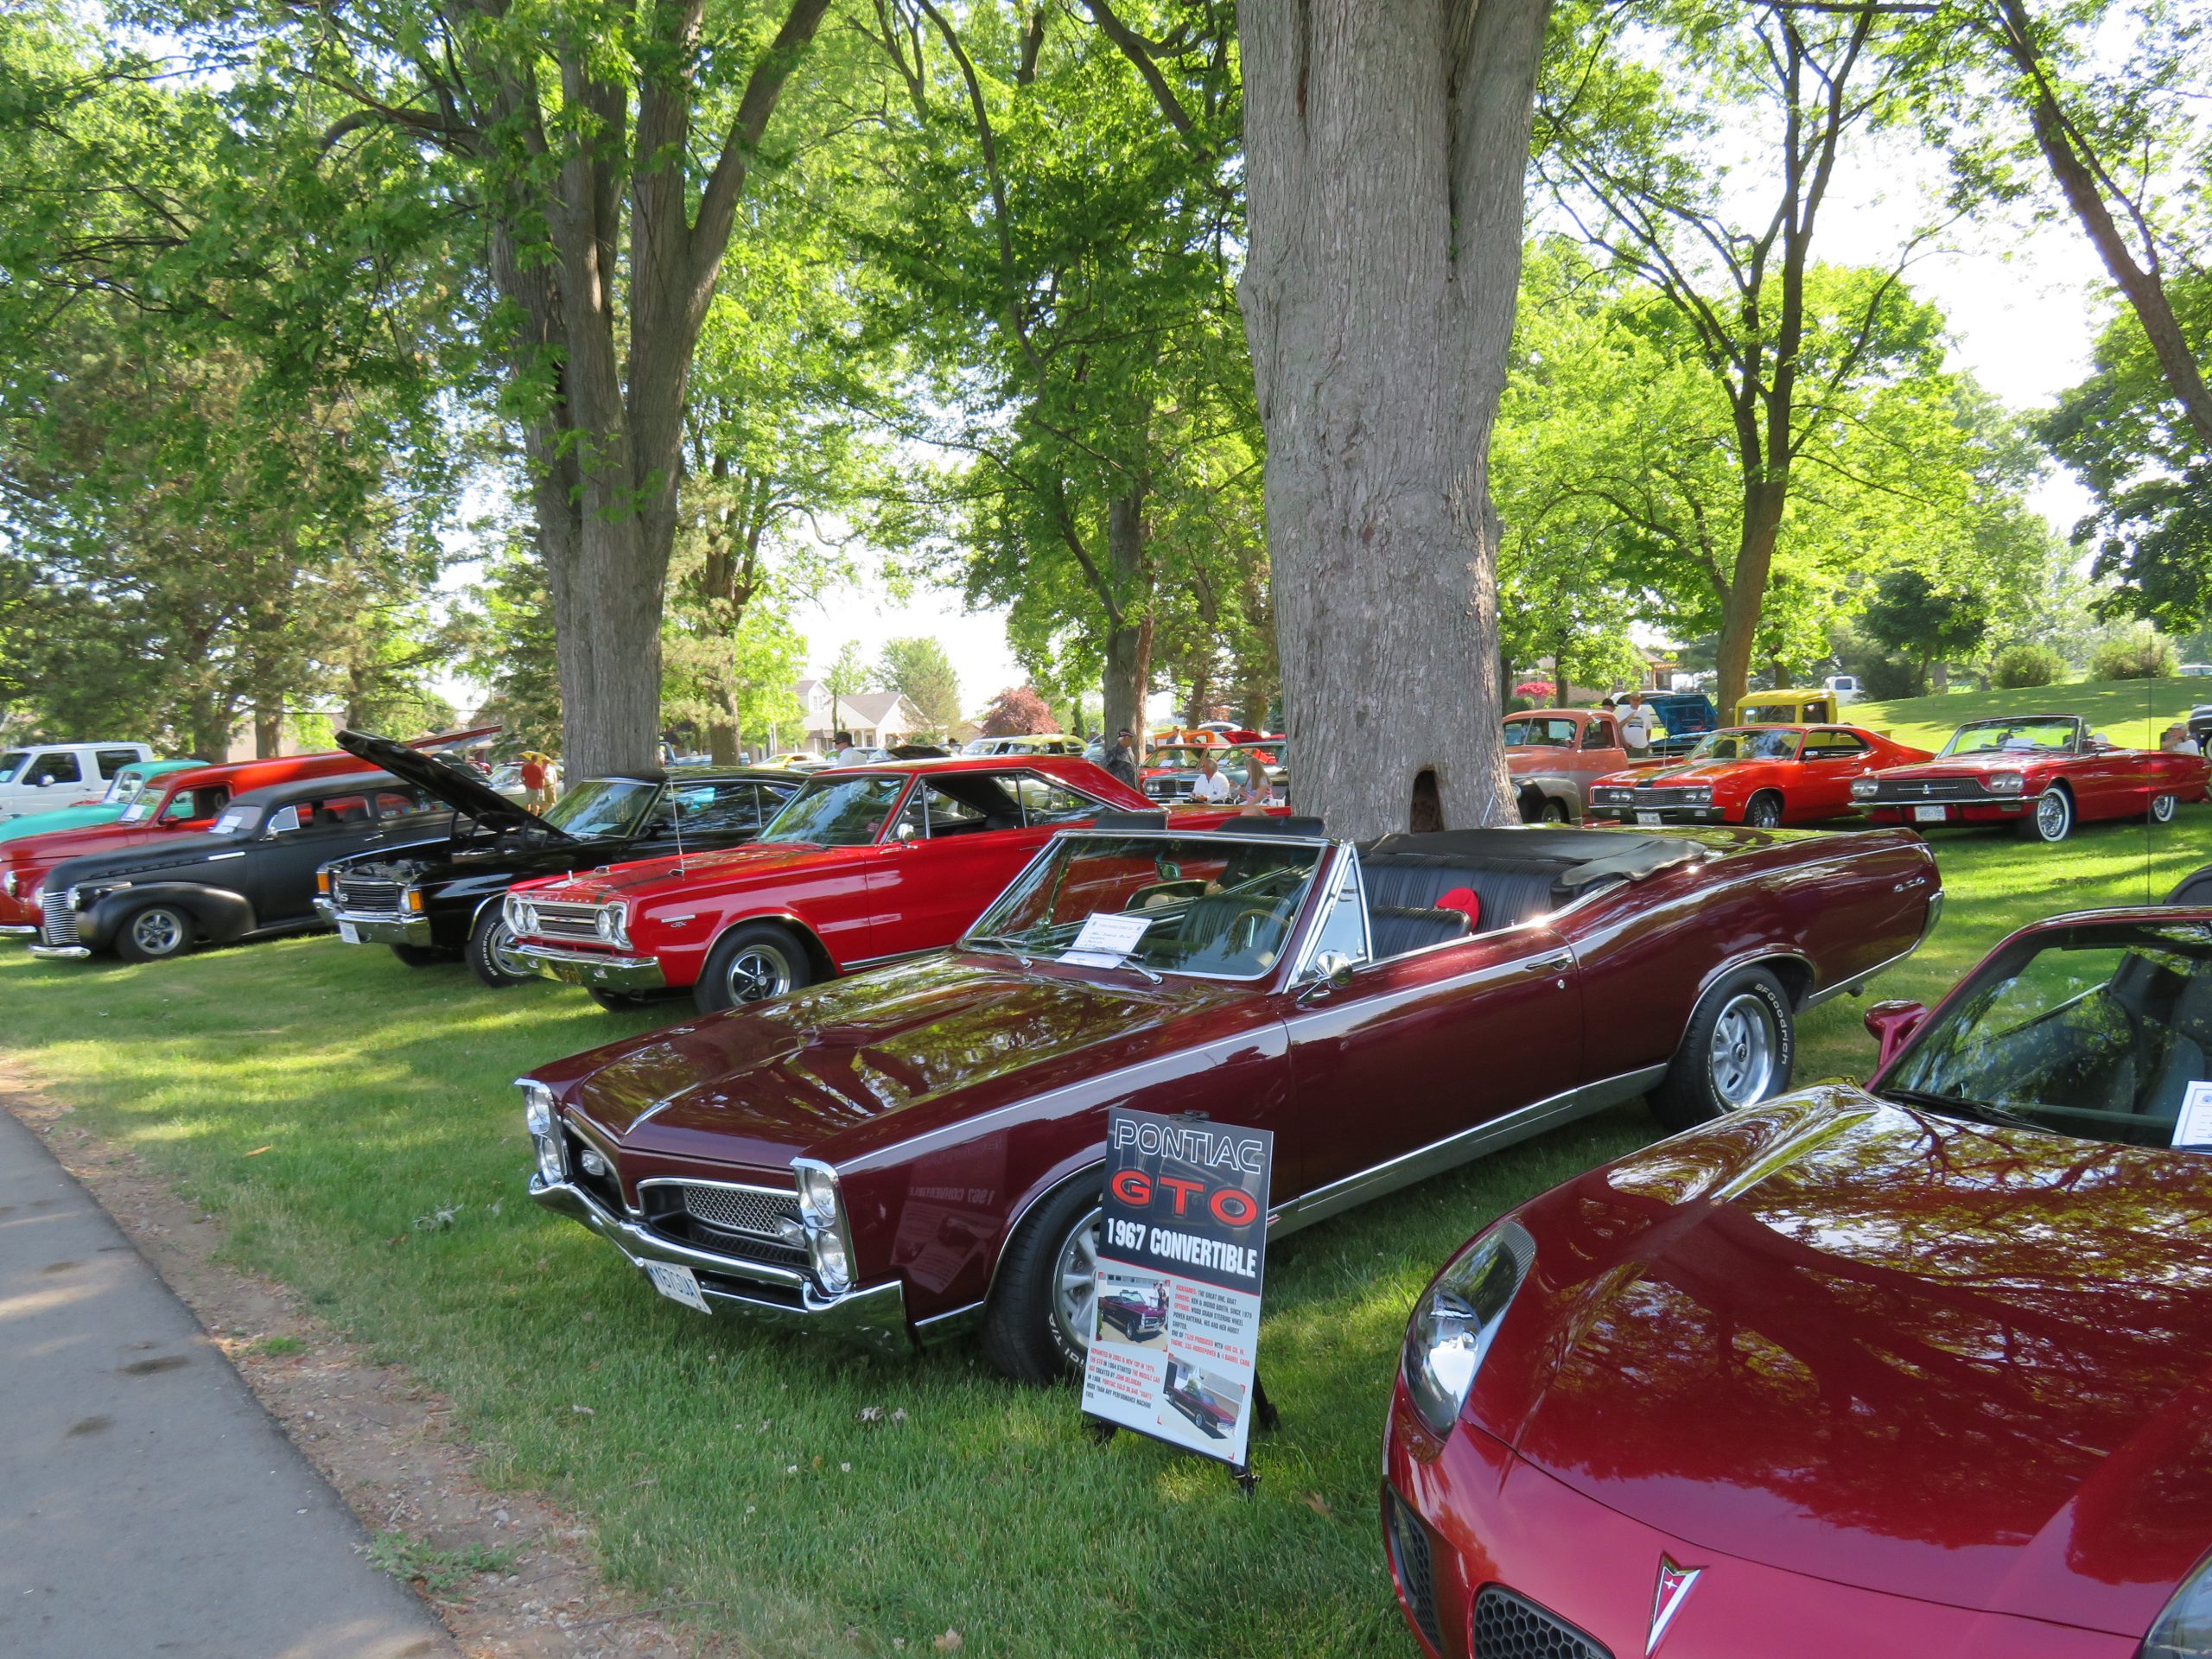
(1647, 817)
(1930, 814)
(677, 1283)
(348, 932)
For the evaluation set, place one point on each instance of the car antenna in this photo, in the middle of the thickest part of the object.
(676, 813)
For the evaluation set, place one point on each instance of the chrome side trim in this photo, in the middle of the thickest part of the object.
(1456, 1149)
(1857, 982)
(943, 1327)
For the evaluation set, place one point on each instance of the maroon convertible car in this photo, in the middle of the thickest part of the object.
(916, 1152)
(1923, 1369)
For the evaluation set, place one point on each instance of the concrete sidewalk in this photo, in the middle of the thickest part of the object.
(148, 1504)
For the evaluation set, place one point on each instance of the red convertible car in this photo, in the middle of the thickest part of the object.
(2041, 773)
(1759, 775)
(861, 866)
(1919, 1369)
(915, 1153)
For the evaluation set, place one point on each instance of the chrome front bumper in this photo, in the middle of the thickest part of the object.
(873, 1316)
(602, 973)
(377, 929)
(60, 952)
(14, 931)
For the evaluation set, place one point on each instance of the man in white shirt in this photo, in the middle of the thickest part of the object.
(1212, 785)
(1638, 723)
(849, 753)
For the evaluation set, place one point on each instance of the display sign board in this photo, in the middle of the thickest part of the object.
(2193, 1128)
(1182, 1252)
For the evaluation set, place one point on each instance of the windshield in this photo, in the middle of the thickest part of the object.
(837, 812)
(2012, 737)
(1771, 714)
(1741, 745)
(1208, 905)
(602, 809)
(2096, 1031)
(236, 821)
(1550, 733)
(11, 763)
(125, 788)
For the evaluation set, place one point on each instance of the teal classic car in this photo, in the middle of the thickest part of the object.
(127, 786)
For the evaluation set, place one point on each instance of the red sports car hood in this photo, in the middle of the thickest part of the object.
(1963, 1363)
(1706, 771)
(649, 878)
(1973, 766)
(929, 1043)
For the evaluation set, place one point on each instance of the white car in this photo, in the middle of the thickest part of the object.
(42, 777)
(1844, 688)
(2196, 670)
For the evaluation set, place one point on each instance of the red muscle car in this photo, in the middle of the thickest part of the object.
(2041, 773)
(187, 803)
(1759, 775)
(1915, 1369)
(916, 1152)
(1555, 754)
(861, 866)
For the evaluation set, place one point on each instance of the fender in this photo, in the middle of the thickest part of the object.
(1554, 785)
(221, 914)
(809, 939)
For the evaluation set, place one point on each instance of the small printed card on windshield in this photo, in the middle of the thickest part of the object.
(1106, 939)
(2193, 1128)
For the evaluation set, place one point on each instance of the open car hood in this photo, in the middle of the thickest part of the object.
(1935, 1359)
(462, 790)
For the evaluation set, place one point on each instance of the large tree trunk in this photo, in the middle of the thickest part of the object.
(1739, 615)
(268, 731)
(1387, 143)
(1129, 634)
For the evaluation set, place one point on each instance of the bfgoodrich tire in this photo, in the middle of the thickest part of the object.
(757, 962)
(1037, 1328)
(1737, 1050)
(154, 933)
(2051, 819)
(492, 955)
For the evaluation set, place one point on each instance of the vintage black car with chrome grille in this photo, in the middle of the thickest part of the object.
(442, 900)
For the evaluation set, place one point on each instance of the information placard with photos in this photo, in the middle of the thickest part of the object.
(1182, 1252)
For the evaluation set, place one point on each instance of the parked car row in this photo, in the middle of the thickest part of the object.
(1913, 1367)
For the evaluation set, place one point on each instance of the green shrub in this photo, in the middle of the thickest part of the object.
(2146, 656)
(2024, 665)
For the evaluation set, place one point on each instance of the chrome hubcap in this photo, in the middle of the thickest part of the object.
(758, 973)
(2050, 816)
(500, 947)
(1741, 1057)
(1074, 1282)
(2162, 809)
(157, 932)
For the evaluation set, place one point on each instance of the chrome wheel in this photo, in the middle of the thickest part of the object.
(157, 932)
(499, 948)
(1764, 813)
(2053, 816)
(1741, 1055)
(758, 973)
(2162, 809)
(1075, 1283)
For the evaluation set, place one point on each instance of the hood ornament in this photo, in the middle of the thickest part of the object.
(1666, 1599)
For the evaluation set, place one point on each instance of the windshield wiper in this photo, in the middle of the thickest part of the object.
(1021, 948)
(1981, 1111)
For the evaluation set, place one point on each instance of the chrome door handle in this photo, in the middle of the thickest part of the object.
(1553, 964)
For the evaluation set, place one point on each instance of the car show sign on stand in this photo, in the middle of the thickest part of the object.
(1182, 1252)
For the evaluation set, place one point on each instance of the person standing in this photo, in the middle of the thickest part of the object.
(1638, 723)
(1121, 759)
(1213, 786)
(849, 753)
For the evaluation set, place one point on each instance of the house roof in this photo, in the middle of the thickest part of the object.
(864, 707)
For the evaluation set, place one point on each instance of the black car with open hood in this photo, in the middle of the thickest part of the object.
(251, 875)
(435, 900)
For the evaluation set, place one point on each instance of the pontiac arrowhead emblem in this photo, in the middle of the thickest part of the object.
(1667, 1600)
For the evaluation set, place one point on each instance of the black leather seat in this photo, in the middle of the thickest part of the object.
(1511, 890)
(1399, 928)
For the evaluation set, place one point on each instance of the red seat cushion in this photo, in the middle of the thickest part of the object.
(1465, 900)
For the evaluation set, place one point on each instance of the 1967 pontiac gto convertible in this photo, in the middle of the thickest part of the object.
(916, 1152)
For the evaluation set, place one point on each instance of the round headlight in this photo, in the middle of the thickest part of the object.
(2185, 1629)
(550, 1167)
(2007, 783)
(818, 1194)
(831, 1266)
(537, 1107)
(525, 917)
(1864, 789)
(603, 924)
(1457, 1317)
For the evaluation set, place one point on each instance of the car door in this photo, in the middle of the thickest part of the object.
(1601, 752)
(1828, 763)
(958, 840)
(1427, 1044)
(278, 870)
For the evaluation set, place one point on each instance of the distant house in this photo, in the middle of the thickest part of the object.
(877, 719)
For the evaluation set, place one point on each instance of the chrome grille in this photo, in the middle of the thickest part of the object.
(1416, 1576)
(560, 920)
(741, 1210)
(57, 921)
(367, 895)
(1168, 789)
(1508, 1626)
(1898, 792)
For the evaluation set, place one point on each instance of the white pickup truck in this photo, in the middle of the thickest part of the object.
(42, 777)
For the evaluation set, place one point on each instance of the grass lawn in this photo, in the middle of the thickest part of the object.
(350, 1123)
(2130, 712)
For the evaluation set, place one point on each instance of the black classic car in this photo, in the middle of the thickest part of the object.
(252, 875)
(433, 901)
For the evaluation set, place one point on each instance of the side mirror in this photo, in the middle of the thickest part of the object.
(41, 783)
(1333, 969)
(904, 834)
(1892, 1025)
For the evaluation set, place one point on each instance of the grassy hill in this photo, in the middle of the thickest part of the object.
(2132, 712)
